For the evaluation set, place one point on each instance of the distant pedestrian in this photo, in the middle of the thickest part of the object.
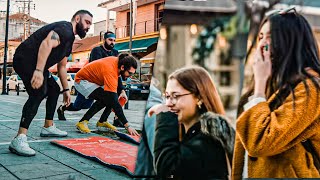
(49, 45)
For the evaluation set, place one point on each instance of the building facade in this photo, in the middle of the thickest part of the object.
(100, 27)
(18, 28)
(146, 17)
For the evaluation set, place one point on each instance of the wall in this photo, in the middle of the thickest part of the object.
(145, 20)
(81, 55)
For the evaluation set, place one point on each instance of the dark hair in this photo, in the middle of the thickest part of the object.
(293, 49)
(127, 61)
(106, 33)
(81, 12)
(198, 81)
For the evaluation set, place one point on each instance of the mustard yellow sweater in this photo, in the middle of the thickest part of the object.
(273, 138)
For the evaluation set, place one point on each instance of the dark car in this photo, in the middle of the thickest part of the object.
(138, 90)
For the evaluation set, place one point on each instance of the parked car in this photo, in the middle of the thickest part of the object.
(14, 81)
(137, 89)
(70, 78)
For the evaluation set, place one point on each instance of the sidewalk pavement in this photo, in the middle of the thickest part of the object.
(53, 162)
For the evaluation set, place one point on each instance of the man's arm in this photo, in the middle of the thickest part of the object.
(62, 72)
(51, 41)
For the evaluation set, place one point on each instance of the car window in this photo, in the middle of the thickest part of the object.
(19, 78)
(72, 75)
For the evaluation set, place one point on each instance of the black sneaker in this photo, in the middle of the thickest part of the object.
(117, 122)
(61, 114)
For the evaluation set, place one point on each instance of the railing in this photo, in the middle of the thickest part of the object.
(139, 28)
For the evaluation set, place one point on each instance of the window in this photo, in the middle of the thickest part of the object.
(128, 24)
(158, 16)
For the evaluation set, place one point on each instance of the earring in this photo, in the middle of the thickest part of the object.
(199, 104)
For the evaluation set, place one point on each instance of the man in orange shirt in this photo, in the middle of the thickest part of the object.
(99, 80)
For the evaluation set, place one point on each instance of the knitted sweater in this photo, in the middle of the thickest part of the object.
(273, 138)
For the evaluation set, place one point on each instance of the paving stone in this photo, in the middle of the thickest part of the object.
(6, 175)
(11, 159)
(107, 174)
(69, 176)
(4, 149)
(60, 154)
(82, 164)
(38, 169)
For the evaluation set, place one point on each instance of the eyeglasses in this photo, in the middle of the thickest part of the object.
(174, 97)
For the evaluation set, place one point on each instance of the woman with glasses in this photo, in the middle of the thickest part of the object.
(192, 101)
(278, 130)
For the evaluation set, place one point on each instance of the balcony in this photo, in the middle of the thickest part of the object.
(139, 28)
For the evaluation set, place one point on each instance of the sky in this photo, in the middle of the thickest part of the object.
(57, 10)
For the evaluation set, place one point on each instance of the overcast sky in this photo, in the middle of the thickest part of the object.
(57, 10)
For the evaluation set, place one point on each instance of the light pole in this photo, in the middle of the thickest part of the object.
(130, 42)
(4, 92)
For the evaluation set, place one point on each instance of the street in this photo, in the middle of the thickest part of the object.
(53, 162)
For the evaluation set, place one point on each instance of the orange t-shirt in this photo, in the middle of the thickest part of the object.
(103, 72)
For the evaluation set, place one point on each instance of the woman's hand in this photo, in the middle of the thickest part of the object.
(261, 68)
(156, 109)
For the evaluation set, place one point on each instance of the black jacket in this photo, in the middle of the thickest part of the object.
(200, 154)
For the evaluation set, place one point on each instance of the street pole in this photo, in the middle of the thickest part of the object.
(4, 92)
(29, 19)
(241, 16)
(130, 42)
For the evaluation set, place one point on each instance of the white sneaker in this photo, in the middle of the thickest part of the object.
(20, 146)
(52, 131)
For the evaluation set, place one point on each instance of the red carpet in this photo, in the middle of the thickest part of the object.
(113, 153)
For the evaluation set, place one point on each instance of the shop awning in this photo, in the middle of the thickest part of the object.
(137, 45)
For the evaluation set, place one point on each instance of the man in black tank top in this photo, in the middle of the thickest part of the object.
(50, 45)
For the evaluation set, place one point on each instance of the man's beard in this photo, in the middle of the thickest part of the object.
(107, 46)
(80, 30)
(122, 75)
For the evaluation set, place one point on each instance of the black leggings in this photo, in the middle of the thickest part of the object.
(49, 89)
(105, 99)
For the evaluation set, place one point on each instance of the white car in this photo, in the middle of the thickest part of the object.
(70, 78)
(14, 82)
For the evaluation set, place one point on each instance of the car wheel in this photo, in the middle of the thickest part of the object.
(73, 91)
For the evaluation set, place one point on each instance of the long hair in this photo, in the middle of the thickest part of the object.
(293, 51)
(198, 81)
